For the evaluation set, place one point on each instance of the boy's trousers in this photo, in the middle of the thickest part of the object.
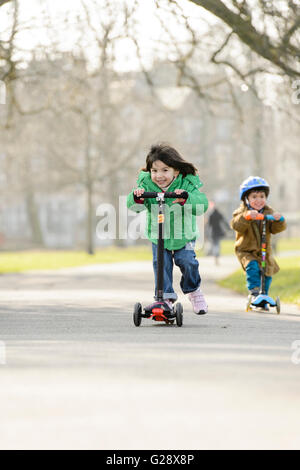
(253, 275)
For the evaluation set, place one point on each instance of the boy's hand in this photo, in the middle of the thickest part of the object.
(251, 214)
(277, 216)
(180, 200)
(139, 192)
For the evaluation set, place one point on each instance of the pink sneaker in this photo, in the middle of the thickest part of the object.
(198, 302)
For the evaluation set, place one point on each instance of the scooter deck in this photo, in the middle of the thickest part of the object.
(258, 309)
(159, 311)
(260, 303)
(263, 299)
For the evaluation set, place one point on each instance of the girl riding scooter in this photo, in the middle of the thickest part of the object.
(166, 170)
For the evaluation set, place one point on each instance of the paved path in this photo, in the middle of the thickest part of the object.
(79, 375)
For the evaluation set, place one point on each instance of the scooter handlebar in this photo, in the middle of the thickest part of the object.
(262, 217)
(183, 195)
(147, 195)
(272, 218)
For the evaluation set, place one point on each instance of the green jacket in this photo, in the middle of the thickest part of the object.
(180, 220)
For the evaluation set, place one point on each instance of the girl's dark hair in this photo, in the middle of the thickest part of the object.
(170, 157)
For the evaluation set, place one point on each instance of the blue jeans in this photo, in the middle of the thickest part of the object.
(253, 275)
(185, 258)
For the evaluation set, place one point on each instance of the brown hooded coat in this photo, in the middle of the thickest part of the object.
(248, 238)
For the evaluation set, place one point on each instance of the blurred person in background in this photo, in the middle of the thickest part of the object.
(217, 227)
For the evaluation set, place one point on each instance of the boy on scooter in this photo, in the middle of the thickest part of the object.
(254, 192)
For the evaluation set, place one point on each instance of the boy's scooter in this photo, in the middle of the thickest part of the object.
(159, 310)
(262, 300)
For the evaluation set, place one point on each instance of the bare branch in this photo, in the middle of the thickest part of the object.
(287, 37)
(2, 2)
(260, 43)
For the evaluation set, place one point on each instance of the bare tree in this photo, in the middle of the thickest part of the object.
(270, 29)
(8, 67)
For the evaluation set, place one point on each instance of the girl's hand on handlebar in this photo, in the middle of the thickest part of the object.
(139, 192)
(180, 200)
(251, 214)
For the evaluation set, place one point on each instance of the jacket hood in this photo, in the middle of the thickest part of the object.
(142, 176)
(195, 180)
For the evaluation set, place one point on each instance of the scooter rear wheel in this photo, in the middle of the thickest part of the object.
(137, 314)
(178, 311)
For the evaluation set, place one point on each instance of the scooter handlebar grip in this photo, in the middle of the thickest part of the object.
(258, 217)
(183, 195)
(272, 218)
(262, 217)
(148, 195)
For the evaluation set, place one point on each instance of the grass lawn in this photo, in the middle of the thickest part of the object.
(13, 262)
(288, 244)
(19, 261)
(286, 284)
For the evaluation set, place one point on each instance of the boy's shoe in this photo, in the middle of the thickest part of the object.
(252, 297)
(254, 293)
(198, 302)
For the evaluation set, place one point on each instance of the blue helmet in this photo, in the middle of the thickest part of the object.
(252, 183)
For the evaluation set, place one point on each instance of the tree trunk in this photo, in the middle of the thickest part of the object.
(34, 220)
(90, 243)
(116, 191)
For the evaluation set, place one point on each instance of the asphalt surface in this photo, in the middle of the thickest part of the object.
(77, 374)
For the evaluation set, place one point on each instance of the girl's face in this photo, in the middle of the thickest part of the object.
(257, 200)
(162, 174)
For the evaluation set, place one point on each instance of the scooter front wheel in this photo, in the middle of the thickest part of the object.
(248, 305)
(178, 311)
(137, 314)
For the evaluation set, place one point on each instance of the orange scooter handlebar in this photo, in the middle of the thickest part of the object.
(262, 217)
(258, 217)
